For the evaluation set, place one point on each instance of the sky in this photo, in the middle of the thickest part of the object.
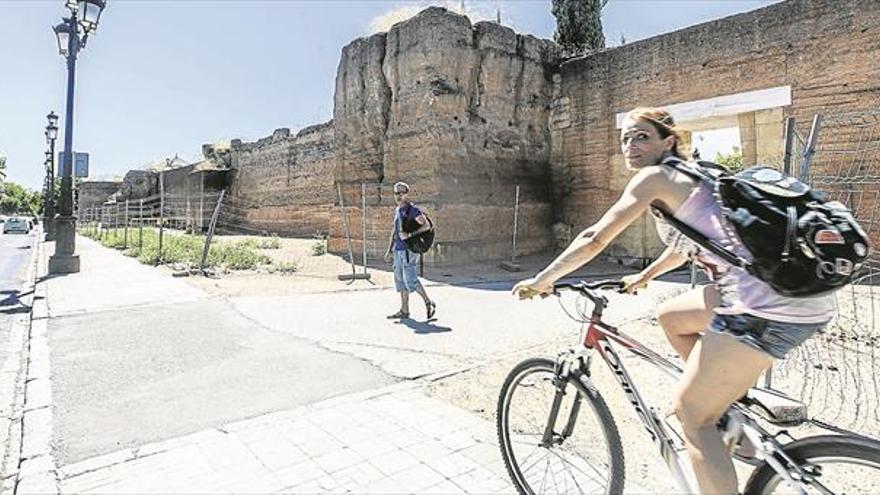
(162, 77)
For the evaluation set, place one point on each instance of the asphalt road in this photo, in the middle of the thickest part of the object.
(15, 253)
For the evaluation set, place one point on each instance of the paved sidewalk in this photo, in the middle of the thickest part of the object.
(390, 439)
(394, 440)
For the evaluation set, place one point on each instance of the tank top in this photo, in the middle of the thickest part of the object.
(741, 292)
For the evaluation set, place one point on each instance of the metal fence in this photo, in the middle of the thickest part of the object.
(836, 373)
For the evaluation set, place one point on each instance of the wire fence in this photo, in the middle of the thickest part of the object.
(158, 229)
(836, 373)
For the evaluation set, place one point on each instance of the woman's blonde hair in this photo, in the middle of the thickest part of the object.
(664, 123)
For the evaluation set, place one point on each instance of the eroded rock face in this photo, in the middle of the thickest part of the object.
(281, 184)
(460, 112)
(138, 184)
(93, 194)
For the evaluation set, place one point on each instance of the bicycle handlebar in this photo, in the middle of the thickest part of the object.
(584, 287)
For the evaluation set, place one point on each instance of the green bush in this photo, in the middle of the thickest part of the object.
(271, 242)
(285, 267)
(319, 246)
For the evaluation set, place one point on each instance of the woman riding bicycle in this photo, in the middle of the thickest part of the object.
(727, 332)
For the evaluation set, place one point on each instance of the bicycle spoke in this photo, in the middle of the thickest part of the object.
(599, 473)
(529, 468)
(571, 464)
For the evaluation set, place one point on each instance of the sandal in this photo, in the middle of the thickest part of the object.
(431, 308)
(399, 315)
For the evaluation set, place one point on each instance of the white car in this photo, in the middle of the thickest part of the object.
(16, 225)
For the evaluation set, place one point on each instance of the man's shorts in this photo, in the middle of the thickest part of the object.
(406, 271)
(773, 337)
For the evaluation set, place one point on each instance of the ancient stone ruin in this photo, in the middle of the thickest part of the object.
(466, 112)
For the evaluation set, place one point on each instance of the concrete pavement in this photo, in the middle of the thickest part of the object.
(379, 439)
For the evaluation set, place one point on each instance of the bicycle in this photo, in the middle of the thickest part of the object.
(553, 427)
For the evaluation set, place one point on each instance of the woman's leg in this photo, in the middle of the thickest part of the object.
(719, 371)
(685, 316)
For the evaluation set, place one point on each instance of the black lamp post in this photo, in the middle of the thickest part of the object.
(49, 198)
(72, 35)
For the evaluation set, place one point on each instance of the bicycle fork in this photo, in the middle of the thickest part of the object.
(560, 381)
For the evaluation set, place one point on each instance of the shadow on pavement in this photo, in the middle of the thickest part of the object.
(11, 303)
(423, 327)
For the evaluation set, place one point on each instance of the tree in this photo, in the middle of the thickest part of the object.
(17, 199)
(733, 160)
(579, 25)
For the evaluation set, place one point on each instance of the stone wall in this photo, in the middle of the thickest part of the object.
(827, 51)
(459, 112)
(96, 193)
(282, 184)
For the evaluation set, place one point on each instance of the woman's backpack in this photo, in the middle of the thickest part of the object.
(422, 242)
(801, 243)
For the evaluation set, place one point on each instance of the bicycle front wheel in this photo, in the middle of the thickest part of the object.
(838, 464)
(584, 454)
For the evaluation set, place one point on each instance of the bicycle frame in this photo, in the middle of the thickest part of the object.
(598, 337)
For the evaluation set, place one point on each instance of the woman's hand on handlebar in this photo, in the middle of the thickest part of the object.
(633, 283)
(532, 287)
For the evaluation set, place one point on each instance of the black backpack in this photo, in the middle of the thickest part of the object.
(422, 242)
(801, 243)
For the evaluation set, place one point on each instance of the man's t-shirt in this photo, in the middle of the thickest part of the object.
(410, 211)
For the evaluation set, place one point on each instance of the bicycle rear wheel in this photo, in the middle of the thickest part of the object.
(587, 458)
(839, 464)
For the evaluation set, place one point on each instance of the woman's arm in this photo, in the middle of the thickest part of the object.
(668, 260)
(642, 189)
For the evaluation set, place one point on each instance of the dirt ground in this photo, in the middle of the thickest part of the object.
(835, 372)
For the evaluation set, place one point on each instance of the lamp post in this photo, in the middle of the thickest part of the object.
(72, 35)
(49, 199)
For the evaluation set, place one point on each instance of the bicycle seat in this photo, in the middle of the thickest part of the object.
(775, 407)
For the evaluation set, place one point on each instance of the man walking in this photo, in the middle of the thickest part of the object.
(406, 278)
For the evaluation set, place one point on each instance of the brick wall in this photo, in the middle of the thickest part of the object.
(282, 184)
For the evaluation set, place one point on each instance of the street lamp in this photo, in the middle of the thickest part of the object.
(49, 197)
(72, 35)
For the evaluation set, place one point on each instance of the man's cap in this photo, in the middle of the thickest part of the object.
(403, 185)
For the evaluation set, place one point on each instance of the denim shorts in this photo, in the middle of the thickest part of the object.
(406, 273)
(773, 337)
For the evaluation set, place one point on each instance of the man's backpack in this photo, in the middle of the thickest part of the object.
(422, 242)
(801, 243)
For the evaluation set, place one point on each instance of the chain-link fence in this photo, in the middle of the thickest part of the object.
(836, 373)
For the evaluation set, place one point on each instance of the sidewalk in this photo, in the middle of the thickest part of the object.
(378, 432)
(390, 440)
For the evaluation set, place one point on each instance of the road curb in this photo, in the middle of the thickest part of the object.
(37, 472)
(12, 380)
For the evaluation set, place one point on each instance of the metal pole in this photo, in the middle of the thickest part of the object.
(364, 220)
(65, 260)
(810, 150)
(345, 227)
(211, 231)
(787, 145)
(515, 219)
(161, 211)
(140, 227)
(50, 195)
(202, 202)
(125, 240)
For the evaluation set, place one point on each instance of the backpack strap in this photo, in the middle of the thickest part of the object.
(713, 246)
(699, 173)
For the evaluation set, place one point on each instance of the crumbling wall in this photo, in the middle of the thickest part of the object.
(459, 112)
(95, 193)
(282, 184)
